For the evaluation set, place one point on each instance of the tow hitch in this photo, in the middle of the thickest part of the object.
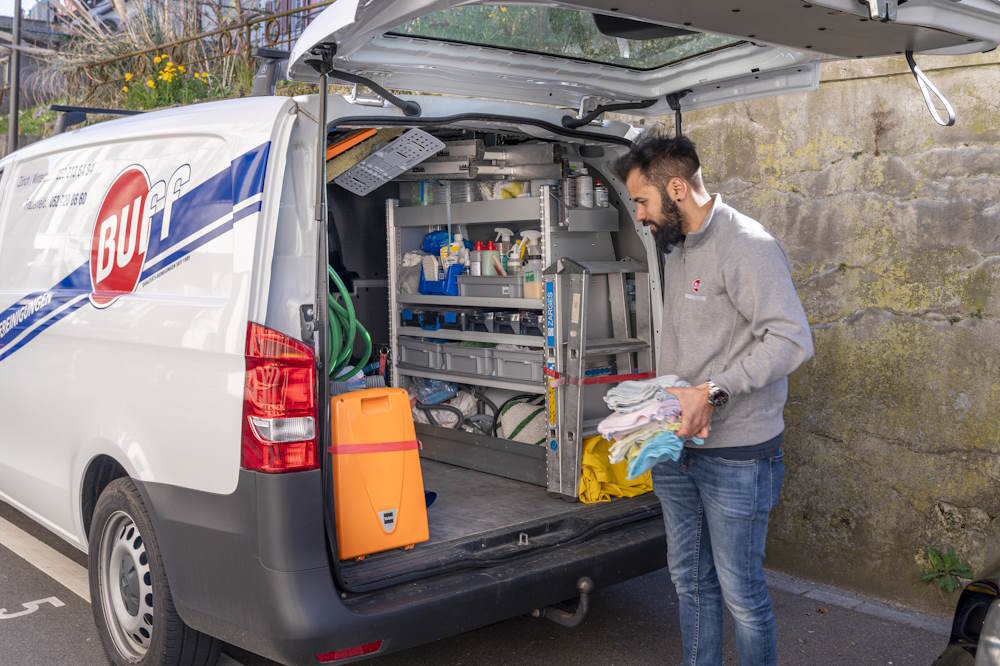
(564, 617)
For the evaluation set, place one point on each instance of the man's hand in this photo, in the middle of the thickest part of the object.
(696, 410)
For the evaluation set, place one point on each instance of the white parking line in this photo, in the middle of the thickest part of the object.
(60, 568)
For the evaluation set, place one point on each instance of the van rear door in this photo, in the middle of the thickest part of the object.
(626, 50)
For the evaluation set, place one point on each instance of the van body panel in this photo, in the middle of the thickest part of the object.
(95, 316)
(243, 569)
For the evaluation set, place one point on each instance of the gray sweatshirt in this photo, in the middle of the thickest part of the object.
(731, 315)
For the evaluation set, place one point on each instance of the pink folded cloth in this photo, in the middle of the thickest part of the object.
(654, 410)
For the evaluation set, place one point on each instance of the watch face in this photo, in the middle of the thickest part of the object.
(719, 397)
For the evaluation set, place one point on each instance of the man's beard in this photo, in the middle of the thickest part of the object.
(668, 230)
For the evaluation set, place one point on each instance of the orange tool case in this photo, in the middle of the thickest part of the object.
(378, 488)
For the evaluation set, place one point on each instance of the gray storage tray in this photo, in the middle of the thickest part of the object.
(424, 354)
(501, 286)
(470, 360)
(514, 364)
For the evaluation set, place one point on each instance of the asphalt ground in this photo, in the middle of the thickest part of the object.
(45, 622)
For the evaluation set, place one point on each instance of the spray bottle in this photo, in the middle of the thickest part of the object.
(504, 236)
(531, 273)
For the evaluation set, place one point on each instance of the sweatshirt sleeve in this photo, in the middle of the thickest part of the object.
(758, 279)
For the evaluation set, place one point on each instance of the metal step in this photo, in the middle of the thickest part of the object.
(607, 346)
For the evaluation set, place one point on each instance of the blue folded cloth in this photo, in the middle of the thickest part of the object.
(659, 446)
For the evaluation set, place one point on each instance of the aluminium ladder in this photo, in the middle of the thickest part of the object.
(569, 345)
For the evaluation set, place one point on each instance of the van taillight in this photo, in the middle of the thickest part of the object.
(279, 403)
(347, 653)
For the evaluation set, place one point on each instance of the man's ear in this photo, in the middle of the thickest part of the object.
(678, 189)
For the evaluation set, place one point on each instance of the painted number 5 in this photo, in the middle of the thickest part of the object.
(29, 608)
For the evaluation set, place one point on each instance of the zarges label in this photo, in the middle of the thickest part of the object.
(121, 231)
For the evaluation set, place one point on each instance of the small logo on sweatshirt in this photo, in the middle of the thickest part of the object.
(696, 285)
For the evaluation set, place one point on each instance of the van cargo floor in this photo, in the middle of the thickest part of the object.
(478, 518)
(470, 502)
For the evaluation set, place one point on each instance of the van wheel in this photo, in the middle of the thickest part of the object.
(129, 594)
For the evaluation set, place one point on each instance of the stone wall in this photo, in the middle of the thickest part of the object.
(893, 227)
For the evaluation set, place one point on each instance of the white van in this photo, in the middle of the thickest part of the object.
(162, 371)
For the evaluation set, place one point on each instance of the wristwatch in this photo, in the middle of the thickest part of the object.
(717, 396)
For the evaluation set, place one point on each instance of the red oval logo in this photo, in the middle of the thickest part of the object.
(118, 249)
(696, 285)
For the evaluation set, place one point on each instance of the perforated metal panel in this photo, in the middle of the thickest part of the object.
(383, 165)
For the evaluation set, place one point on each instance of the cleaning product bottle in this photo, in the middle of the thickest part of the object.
(585, 190)
(476, 259)
(460, 251)
(489, 258)
(600, 195)
(504, 236)
(531, 273)
(514, 257)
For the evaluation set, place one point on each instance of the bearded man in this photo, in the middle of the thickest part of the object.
(734, 328)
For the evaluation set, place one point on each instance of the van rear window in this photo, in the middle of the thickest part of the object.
(556, 31)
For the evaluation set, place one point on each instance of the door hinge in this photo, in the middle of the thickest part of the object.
(307, 322)
(882, 10)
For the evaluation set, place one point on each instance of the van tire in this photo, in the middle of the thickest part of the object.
(135, 614)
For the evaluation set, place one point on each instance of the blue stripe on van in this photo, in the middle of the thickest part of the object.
(207, 203)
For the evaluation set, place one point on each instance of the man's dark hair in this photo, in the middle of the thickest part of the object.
(660, 159)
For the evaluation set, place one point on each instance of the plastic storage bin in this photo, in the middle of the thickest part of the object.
(424, 354)
(378, 487)
(477, 320)
(447, 287)
(500, 286)
(470, 360)
(516, 364)
(508, 322)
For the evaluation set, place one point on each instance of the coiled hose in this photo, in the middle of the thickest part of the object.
(344, 328)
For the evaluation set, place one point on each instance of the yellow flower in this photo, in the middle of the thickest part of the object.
(150, 83)
(503, 9)
(128, 76)
(165, 56)
(180, 68)
(124, 88)
(156, 60)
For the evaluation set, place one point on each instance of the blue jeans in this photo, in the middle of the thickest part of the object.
(716, 512)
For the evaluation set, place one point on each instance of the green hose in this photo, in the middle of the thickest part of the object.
(344, 327)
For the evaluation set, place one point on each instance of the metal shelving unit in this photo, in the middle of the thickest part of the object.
(465, 378)
(406, 226)
(500, 211)
(575, 232)
(474, 336)
(471, 301)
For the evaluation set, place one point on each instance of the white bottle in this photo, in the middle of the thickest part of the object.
(476, 259)
(585, 191)
(600, 195)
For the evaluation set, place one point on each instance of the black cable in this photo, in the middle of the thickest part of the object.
(448, 408)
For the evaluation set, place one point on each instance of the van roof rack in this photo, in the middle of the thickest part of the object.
(74, 115)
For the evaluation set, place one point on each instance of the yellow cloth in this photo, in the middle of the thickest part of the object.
(600, 480)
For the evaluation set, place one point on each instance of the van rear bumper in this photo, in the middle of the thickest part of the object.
(251, 568)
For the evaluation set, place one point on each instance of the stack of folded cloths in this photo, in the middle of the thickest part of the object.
(644, 424)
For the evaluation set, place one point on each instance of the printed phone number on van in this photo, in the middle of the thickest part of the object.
(57, 201)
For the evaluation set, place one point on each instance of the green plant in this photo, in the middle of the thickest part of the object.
(169, 83)
(945, 569)
(37, 121)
